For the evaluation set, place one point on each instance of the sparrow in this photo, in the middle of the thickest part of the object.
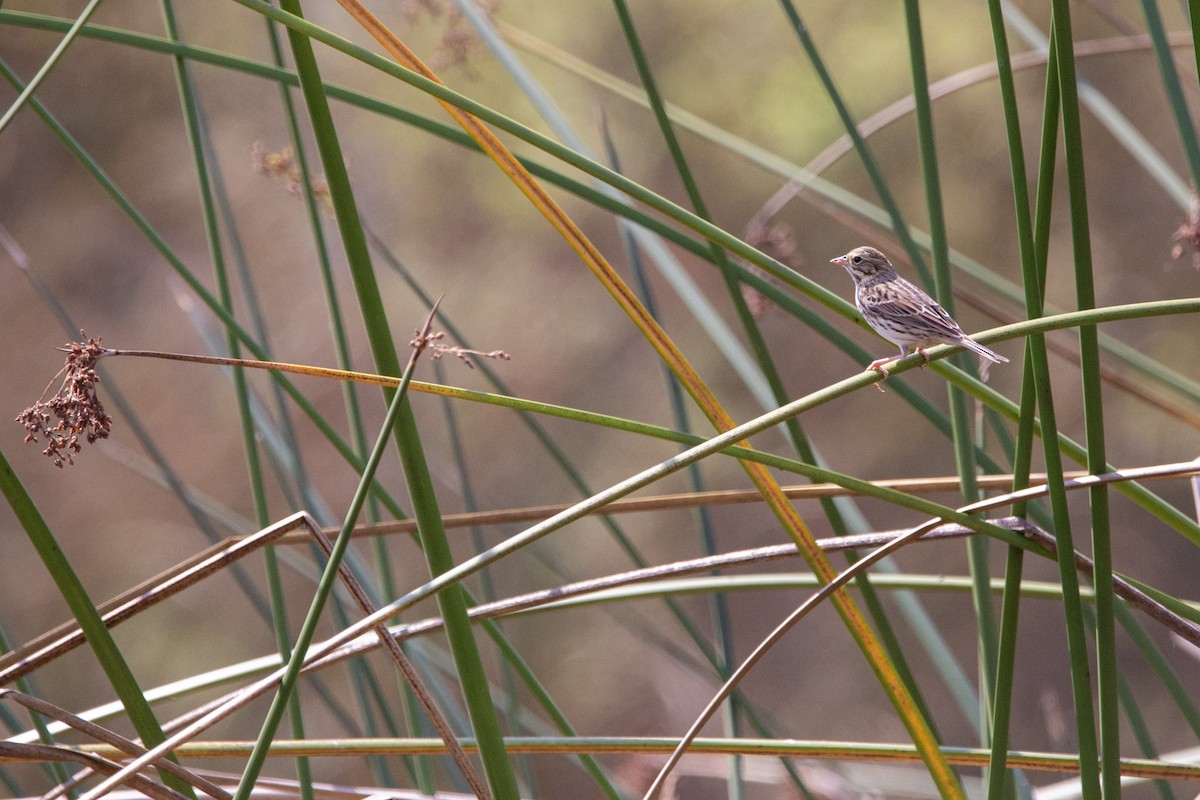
(900, 311)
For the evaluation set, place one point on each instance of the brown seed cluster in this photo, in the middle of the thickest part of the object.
(75, 405)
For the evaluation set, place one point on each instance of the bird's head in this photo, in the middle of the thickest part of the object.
(864, 262)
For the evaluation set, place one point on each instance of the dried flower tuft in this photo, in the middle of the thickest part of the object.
(777, 241)
(75, 405)
(457, 42)
(1187, 235)
(433, 342)
(283, 165)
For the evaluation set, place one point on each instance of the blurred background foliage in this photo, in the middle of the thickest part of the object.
(459, 227)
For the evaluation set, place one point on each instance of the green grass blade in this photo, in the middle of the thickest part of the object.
(116, 669)
(488, 592)
(1173, 89)
(1000, 779)
(1094, 425)
(50, 63)
(1002, 782)
(1107, 112)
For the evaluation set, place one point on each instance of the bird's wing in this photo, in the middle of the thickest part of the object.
(936, 314)
(907, 302)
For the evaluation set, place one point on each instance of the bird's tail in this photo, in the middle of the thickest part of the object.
(971, 344)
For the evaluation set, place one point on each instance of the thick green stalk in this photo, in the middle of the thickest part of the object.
(418, 767)
(487, 584)
(514, 658)
(964, 448)
(1001, 780)
(451, 602)
(1093, 404)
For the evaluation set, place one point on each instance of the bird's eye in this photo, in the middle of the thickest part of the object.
(857, 259)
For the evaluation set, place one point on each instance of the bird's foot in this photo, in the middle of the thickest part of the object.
(877, 365)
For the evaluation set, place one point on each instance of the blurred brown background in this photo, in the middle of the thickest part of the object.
(510, 282)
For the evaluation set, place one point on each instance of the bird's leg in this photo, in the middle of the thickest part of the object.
(921, 353)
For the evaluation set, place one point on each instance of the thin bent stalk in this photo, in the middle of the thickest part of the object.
(84, 610)
(49, 64)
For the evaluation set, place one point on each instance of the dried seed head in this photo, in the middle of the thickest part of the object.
(777, 241)
(75, 405)
(432, 341)
(1187, 235)
(283, 166)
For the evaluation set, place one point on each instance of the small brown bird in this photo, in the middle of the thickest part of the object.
(900, 311)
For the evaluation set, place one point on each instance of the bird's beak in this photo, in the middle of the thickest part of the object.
(840, 261)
